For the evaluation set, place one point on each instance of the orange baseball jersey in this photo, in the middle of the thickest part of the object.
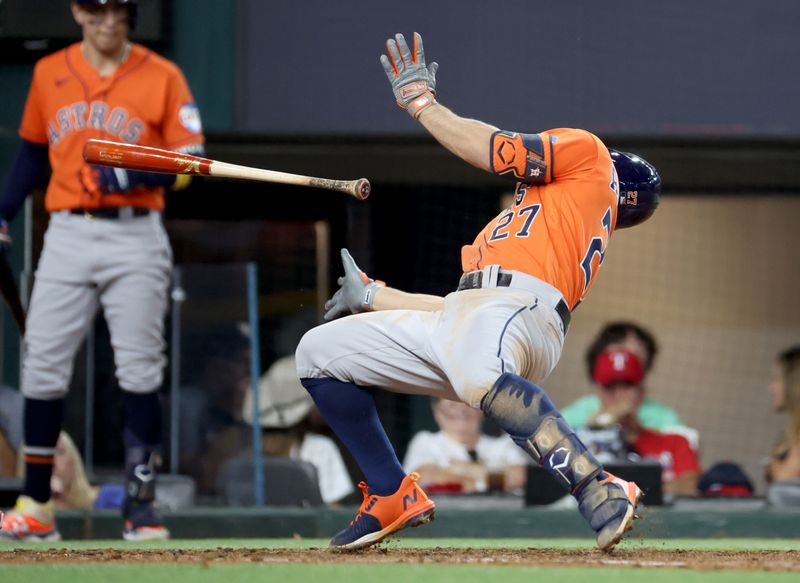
(564, 210)
(145, 101)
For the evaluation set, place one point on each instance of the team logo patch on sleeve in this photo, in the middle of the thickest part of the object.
(189, 115)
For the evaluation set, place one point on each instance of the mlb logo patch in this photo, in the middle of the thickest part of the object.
(189, 115)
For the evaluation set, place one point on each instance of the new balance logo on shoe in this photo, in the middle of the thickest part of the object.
(380, 516)
(409, 500)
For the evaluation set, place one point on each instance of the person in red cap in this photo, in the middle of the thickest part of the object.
(619, 374)
(640, 341)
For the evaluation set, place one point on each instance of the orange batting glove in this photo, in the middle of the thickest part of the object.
(413, 84)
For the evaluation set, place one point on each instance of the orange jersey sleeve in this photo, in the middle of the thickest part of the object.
(558, 225)
(182, 126)
(145, 101)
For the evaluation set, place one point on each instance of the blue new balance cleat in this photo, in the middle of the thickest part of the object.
(380, 516)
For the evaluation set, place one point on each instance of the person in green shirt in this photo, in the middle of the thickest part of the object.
(639, 341)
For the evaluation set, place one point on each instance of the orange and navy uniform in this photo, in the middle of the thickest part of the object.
(563, 213)
(145, 101)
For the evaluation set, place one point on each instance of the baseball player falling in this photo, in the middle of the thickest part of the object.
(105, 246)
(488, 343)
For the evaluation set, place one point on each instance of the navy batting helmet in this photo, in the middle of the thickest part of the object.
(639, 188)
(131, 5)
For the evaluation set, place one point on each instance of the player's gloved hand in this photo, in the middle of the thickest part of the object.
(356, 291)
(5, 236)
(104, 179)
(99, 180)
(413, 84)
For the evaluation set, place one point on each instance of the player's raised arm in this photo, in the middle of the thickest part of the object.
(414, 87)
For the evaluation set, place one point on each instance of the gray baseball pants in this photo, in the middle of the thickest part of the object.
(121, 265)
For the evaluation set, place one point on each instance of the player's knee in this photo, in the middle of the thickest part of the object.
(44, 392)
(140, 379)
(307, 353)
(140, 372)
(518, 404)
(44, 383)
(473, 393)
(472, 384)
(527, 414)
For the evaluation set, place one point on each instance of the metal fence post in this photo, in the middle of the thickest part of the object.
(255, 373)
(178, 296)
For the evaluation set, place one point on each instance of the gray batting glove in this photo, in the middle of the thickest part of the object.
(356, 291)
(413, 84)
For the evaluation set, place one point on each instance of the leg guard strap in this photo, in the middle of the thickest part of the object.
(526, 413)
(142, 465)
(601, 505)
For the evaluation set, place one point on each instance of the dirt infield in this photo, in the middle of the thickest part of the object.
(646, 558)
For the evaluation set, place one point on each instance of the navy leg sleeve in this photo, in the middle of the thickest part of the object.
(350, 411)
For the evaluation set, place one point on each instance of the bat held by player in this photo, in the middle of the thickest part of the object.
(134, 157)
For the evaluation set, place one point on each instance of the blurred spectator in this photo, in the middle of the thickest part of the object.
(619, 374)
(70, 486)
(783, 468)
(11, 406)
(68, 483)
(8, 457)
(459, 458)
(211, 426)
(639, 341)
(73, 491)
(287, 418)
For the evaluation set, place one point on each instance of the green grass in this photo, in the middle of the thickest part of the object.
(387, 573)
(266, 573)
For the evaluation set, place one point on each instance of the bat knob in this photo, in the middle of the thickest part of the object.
(363, 188)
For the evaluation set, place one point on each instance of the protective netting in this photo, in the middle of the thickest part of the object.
(291, 259)
(715, 279)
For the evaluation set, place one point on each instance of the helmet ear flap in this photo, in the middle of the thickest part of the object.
(639, 189)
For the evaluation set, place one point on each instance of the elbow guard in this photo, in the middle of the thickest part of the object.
(528, 157)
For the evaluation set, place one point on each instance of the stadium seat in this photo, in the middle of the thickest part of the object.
(287, 482)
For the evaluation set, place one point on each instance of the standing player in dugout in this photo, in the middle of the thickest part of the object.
(105, 246)
(488, 343)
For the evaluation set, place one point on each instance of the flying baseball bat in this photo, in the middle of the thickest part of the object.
(133, 157)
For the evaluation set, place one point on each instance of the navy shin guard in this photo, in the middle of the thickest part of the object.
(527, 414)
